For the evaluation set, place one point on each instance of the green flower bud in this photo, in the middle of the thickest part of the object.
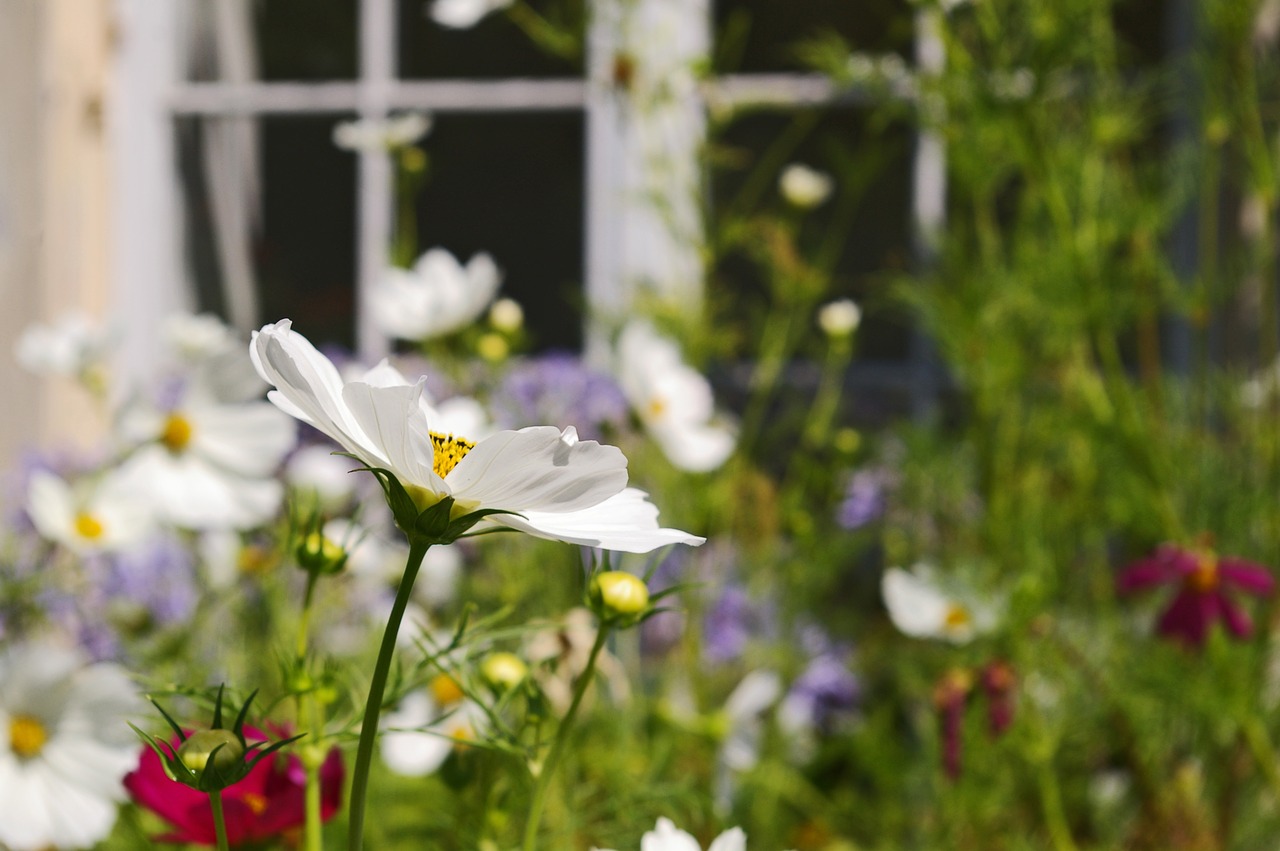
(617, 594)
(504, 671)
(318, 554)
(197, 750)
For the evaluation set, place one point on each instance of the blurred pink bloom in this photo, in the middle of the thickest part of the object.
(1203, 597)
(265, 804)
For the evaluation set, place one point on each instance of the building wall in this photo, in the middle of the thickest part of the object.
(54, 186)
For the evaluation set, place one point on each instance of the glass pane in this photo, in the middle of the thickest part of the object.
(494, 47)
(303, 253)
(512, 186)
(761, 35)
(865, 222)
(306, 40)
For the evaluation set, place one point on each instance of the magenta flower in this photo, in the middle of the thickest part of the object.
(1203, 579)
(265, 804)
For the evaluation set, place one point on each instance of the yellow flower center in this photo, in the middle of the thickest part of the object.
(1204, 579)
(26, 736)
(88, 527)
(176, 433)
(957, 617)
(656, 408)
(449, 450)
(255, 802)
(445, 690)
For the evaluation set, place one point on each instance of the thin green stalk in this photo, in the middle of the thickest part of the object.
(543, 783)
(219, 821)
(373, 707)
(1264, 753)
(1051, 801)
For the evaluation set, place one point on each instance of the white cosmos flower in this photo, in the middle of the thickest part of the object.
(665, 836)
(104, 516)
(464, 14)
(396, 131)
(429, 723)
(563, 488)
(65, 747)
(804, 187)
(920, 608)
(74, 346)
(839, 318)
(672, 400)
(207, 465)
(322, 476)
(436, 297)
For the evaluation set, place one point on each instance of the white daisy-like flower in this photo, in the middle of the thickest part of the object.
(429, 723)
(464, 14)
(839, 318)
(562, 488)
(74, 346)
(104, 516)
(665, 836)
(67, 749)
(672, 400)
(396, 131)
(316, 472)
(193, 337)
(436, 297)
(920, 608)
(207, 465)
(804, 187)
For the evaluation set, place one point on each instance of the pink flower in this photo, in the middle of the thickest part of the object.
(1203, 579)
(266, 803)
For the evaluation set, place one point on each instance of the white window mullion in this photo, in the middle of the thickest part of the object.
(377, 80)
(148, 277)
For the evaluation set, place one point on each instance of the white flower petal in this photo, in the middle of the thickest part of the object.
(387, 415)
(308, 387)
(626, 523)
(250, 439)
(667, 837)
(539, 469)
(916, 607)
(733, 839)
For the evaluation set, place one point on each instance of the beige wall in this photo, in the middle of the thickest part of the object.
(53, 194)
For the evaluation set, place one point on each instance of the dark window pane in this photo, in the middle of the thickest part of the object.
(494, 48)
(306, 40)
(304, 250)
(761, 35)
(871, 162)
(512, 186)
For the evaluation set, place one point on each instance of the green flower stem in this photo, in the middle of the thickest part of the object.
(1264, 753)
(311, 754)
(219, 821)
(373, 707)
(1051, 801)
(539, 800)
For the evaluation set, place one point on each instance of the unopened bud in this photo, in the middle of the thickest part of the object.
(504, 670)
(318, 554)
(506, 315)
(620, 592)
(223, 746)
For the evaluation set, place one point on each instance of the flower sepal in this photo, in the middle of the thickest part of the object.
(434, 525)
(210, 760)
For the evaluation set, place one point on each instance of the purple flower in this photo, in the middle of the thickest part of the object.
(158, 576)
(1204, 581)
(559, 389)
(865, 499)
(733, 620)
(824, 691)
